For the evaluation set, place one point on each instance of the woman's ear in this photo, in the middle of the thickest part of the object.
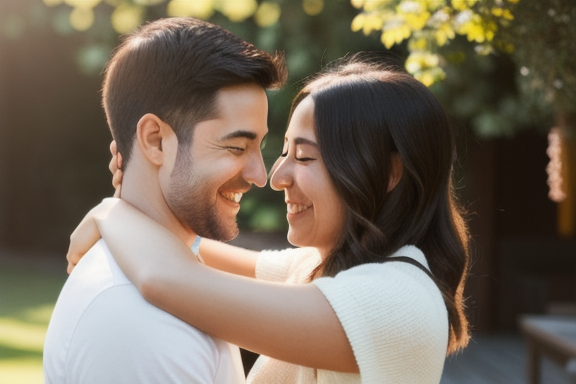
(396, 169)
(150, 133)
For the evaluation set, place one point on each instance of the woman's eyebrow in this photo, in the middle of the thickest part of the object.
(301, 140)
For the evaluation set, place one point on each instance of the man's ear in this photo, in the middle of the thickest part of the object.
(396, 169)
(151, 131)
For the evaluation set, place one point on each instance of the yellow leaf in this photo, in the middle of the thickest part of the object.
(387, 39)
(433, 5)
(431, 60)
(82, 3)
(441, 38)
(409, 7)
(425, 78)
(375, 5)
(430, 76)
(462, 5)
(127, 18)
(313, 7)
(489, 35)
(417, 22)
(475, 30)
(395, 31)
(497, 11)
(82, 19)
(237, 10)
(443, 34)
(148, 3)
(358, 22)
(459, 5)
(507, 15)
(373, 22)
(268, 14)
(357, 3)
(413, 63)
(418, 44)
(201, 9)
(367, 22)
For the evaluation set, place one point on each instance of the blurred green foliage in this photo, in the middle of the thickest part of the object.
(430, 31)
(523, 46)
(428, 26)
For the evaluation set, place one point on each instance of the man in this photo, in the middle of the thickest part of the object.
(185, 101)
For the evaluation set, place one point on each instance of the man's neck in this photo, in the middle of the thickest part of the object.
(152, 203)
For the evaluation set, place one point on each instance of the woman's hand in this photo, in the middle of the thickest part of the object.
(115, 167)
(87, 233)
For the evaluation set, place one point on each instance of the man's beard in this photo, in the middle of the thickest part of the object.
(191, 200)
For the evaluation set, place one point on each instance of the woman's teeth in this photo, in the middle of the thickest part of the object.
(296, 208)
(232, 196)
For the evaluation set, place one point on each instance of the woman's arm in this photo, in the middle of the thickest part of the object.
(294, 323)
(229, 258)
(86, 233)
(215, 254)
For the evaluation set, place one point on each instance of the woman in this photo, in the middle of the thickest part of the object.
(375, 291)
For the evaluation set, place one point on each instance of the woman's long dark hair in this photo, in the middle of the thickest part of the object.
(365, 115)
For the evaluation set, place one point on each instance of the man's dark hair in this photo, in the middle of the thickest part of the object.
(173, 68)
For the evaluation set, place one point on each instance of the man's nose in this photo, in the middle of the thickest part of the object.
(255, 172)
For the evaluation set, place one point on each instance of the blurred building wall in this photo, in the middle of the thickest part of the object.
(53, 139)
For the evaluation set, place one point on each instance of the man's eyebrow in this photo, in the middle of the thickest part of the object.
(239, 134)
(301, 140)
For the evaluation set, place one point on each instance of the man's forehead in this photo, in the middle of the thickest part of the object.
(240, 111)
(220, 130)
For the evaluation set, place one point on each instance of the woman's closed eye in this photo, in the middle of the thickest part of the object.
(301, 159)
(305, 159)
(304, 153)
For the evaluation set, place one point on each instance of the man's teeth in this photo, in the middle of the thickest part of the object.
(232, 196)
(296, 208)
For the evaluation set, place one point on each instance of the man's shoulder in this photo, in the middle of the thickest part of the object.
(112, 301)
(99, 304)
(121, 311)
(123, 333)
(110, 325)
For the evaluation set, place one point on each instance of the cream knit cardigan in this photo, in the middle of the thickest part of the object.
(393, 315)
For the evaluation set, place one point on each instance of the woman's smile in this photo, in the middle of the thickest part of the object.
(295, 208)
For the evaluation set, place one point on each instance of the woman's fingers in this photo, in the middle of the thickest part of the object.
(115, 168)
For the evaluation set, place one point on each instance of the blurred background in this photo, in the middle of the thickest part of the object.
(503, 69)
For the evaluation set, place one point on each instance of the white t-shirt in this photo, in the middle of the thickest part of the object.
(393, 315)
(102, 331)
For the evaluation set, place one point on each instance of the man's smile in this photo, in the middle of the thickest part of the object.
(234, 197)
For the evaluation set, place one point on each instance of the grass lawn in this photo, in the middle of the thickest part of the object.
(27, 298)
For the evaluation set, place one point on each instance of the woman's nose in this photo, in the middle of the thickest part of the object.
(281, 176)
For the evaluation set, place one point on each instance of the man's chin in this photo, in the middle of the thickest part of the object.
(232, 237)
(222, 234)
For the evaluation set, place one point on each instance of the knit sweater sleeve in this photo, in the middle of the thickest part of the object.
(292, 265)
(395, 320)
